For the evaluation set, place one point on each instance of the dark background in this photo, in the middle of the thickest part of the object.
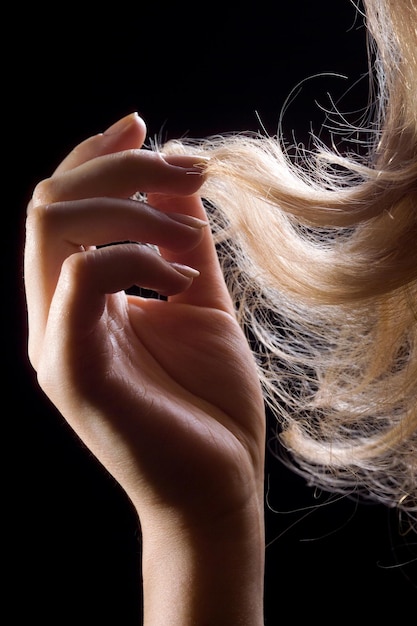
(72, 536)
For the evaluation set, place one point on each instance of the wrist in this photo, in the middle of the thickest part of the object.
(207, 574)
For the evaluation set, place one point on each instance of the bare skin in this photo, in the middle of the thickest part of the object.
(164, 393)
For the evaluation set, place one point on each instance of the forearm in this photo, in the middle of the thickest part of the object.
(211, 577)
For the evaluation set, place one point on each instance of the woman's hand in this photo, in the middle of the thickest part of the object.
(164, 393)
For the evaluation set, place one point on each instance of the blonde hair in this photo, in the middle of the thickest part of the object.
(320, 256)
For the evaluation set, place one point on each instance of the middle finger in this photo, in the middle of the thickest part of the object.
(122, 174)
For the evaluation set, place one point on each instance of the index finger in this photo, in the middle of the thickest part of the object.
(128, 132)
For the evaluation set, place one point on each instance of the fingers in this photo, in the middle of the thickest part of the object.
(86, 279)
(58, 231)
(112, 164)
(86, 203)
(100, 221)
(83, 316)
(209, 290)
(127, 133)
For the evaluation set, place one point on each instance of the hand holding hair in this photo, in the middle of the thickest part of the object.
(163, 392)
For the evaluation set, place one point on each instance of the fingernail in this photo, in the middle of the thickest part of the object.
(121, 125)
(200, 164)
(188, 220)
(185, 270)
(193, 164)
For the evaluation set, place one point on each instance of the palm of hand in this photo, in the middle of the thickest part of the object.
(184, 386)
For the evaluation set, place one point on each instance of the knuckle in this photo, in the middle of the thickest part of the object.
(42, 220)
(36, 219)
(75, 266)
(43, 193)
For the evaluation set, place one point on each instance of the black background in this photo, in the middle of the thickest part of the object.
(192, 70)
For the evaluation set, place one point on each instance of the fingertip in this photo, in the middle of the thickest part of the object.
(126, 122)
(127, 133)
